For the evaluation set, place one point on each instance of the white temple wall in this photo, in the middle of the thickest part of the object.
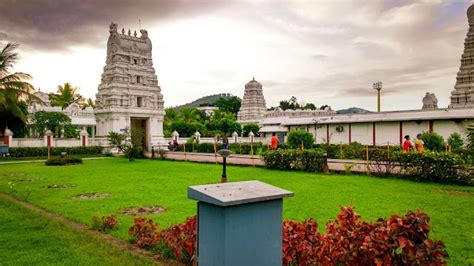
(414, 128)
(338, 137)
(362, 133)
(387, 132)
(446, 128)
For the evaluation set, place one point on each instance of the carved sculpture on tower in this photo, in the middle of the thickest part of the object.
(430, 101)
(129, 95)
(463, 94)
(253, 107)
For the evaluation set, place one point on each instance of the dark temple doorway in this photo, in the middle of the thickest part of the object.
(140, 126)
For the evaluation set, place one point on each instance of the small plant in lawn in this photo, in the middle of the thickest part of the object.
(105, 223)
(144, 233)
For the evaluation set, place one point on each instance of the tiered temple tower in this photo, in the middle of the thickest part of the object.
(463, 94)
(253, 107)
(129, 95)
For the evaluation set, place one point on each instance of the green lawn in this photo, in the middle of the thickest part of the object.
(164, 183)
(28, 238)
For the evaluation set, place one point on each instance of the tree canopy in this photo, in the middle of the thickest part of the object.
(65, 96)
(230, 105)
(54, 121)
(14, 88)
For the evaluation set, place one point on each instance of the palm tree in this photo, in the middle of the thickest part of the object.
(13, 81)
(65, 96)
(88, 103)
(13, 90)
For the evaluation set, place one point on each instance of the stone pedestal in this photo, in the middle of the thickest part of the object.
(239, 223)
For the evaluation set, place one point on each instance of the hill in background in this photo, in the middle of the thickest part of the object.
(353, 110)
(206, 100)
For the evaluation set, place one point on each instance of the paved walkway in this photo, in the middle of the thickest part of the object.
(44, 160)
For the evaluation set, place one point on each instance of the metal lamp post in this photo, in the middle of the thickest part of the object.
(224, 153)
(378, 86)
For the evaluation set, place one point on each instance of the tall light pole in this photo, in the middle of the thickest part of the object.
(378, 87)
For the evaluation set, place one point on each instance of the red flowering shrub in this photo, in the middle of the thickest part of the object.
(144, 233)
(105, 223)
(350, 241)
(398, 240)
(300, 242)
(181, 238)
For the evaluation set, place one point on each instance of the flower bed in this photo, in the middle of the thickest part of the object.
(398, 240)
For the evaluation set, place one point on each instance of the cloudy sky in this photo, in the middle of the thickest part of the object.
(325, 52)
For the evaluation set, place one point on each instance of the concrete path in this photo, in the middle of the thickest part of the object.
(44, 160)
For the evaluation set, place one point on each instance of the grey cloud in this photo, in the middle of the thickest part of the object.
(53, 24)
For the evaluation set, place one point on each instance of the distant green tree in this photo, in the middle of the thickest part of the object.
(455, 141)
(310, 106)
(298, 137)
(230, 105)
(255, 128)
(433, 141)
(65, 96)
(186, 129)
(228, 126)
(54, 121)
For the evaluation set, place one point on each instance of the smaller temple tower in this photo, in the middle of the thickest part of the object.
(463, 94)
(253, 107)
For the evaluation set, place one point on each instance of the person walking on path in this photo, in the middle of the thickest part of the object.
(275, 142)
(419, 143)
(407, 144)
(225, 142)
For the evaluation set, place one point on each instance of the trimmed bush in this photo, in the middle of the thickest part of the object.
(63, 161)
(43, 151)
(435, 167)
(433, 141)
(298, 137)
(308, 160)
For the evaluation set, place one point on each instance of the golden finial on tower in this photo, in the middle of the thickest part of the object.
(129, 32)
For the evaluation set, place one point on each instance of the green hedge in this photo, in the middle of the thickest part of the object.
(63, 161)
(435, 167)
(236, 148)
(312, 160)
(43, 151)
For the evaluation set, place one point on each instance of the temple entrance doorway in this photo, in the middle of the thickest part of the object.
(140, 127)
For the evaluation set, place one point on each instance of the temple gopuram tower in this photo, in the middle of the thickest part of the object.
(129, 95)
(463, 94)
(253, 107)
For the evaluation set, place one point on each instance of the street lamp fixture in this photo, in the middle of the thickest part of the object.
(224, 153)
(378, 86)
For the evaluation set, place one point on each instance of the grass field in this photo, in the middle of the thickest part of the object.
(28, 238)
(164, 183)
